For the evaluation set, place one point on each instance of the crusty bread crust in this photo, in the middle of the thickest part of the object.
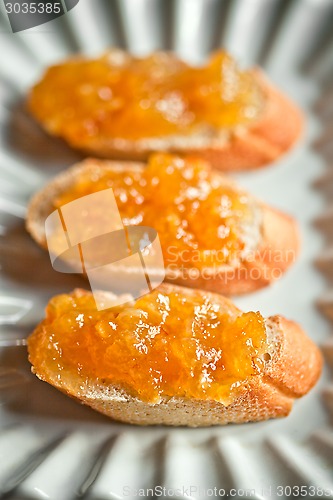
(274, 253)
(275, 132)
(293, 368)
(277, 128)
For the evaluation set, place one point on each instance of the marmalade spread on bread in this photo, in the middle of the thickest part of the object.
(165, 344)
(121, 97)
(201, 219)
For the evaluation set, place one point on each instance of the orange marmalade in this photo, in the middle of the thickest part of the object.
(121, 97)
(163, 345)
(201, 219)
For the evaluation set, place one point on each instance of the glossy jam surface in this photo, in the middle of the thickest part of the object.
(164, 344)
(117, 96)
(200, 219)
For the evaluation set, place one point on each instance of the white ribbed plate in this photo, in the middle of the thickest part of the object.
(50, 446)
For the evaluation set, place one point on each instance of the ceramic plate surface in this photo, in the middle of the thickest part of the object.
(50, 446)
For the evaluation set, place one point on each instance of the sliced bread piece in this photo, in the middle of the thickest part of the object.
(271, 236)
(291, 365)
(249, 145)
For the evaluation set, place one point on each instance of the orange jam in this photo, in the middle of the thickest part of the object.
(200, 218)
(165, 344)
(119, 96)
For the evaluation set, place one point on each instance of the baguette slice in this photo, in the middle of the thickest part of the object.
(293, 367)
(244, 147)
(273, 237)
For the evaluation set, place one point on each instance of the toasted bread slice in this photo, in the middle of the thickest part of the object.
(243, 147)
(271, 248)
(246, 148)
(292, 366)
